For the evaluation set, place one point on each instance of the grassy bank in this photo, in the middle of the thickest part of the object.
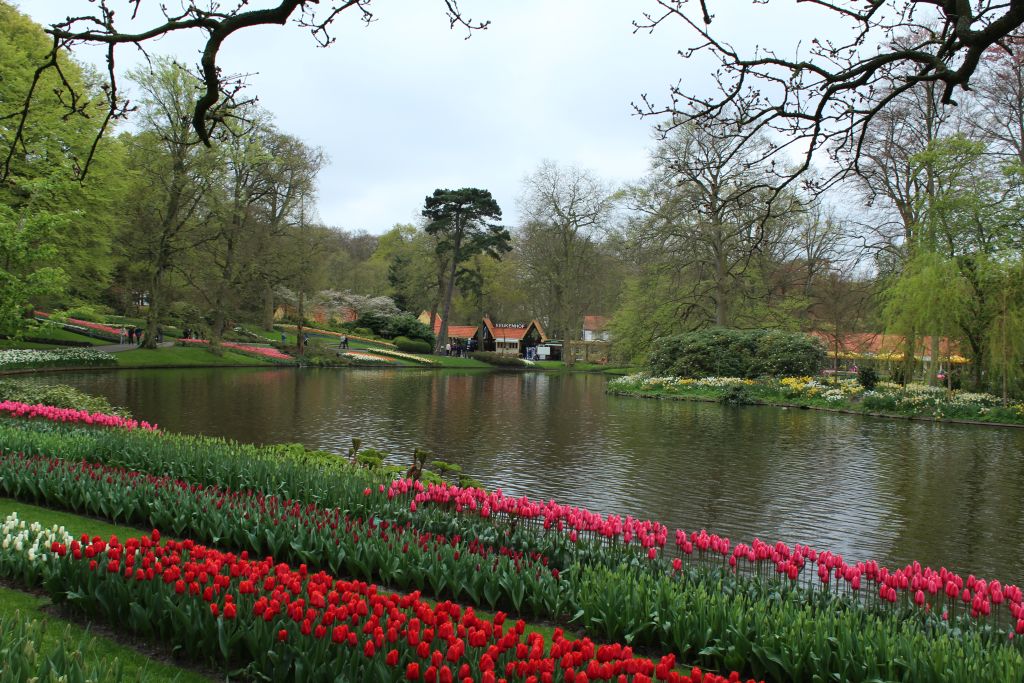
(885, 399)
(57, 630)
(179, 356)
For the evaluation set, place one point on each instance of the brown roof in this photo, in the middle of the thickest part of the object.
(594, 323)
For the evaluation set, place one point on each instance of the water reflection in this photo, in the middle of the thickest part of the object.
(890, 490)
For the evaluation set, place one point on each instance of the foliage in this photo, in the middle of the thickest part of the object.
(718, 352)
(391, 326)
(26, 657)
(462, 221)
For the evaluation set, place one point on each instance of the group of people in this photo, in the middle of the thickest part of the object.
(189, 333)
(460, 348)
(131, 335)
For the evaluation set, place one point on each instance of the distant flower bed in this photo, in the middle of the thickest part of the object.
(918, 400)
(332, 333)
(264, 351)
(97, 327)
(363, 357)
(16, 359)
(406, 356)
(17, 409)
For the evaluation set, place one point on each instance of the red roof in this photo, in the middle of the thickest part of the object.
(455, 331)
(594, 323)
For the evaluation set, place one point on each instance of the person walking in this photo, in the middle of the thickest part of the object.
(122, 335)
(131, 335)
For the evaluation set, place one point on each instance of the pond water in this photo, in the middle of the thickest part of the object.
(890, 490)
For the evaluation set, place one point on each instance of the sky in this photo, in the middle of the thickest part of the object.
(406, 104)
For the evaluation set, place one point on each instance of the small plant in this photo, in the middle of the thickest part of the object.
(419, 462)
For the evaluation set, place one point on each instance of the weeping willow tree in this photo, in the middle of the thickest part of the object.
(930, 294)
(1006, 332)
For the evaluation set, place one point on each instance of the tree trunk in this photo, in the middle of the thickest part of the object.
(298, 328)
(268, 307)
(442, 337)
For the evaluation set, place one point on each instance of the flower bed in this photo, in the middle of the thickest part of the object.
(71, 415)
(915, 400)
(332, 333)
(406, 356)
(700, 604)
(107, 330)
(20, 359)
(262, 351)
(293, 624)
(365, 357)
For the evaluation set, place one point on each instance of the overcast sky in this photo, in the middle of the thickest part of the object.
(406, 105)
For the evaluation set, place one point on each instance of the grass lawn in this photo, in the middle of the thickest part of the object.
(183, 356)
(60, 335)
(137, 666)
(456, 362)
(16, 344)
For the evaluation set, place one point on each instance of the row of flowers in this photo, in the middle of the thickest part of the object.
(400, 554)
(263, 351)
(423, 360)
(294, 624)
(71, 415)
(367, 358)
(940, 591)
(107, 330)
(17, 359)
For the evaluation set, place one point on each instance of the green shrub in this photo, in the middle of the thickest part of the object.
(391, 326)
(736, 353)
(413, 345)
(867, 377)
(499, 359)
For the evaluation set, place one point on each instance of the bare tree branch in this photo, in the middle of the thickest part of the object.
(208, 17)
(827, 97)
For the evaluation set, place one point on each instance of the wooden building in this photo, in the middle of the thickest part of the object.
(512, 339)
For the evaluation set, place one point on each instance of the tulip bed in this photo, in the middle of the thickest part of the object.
(774, 611)
(261, 351)
(267, 621)
(71, 415)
